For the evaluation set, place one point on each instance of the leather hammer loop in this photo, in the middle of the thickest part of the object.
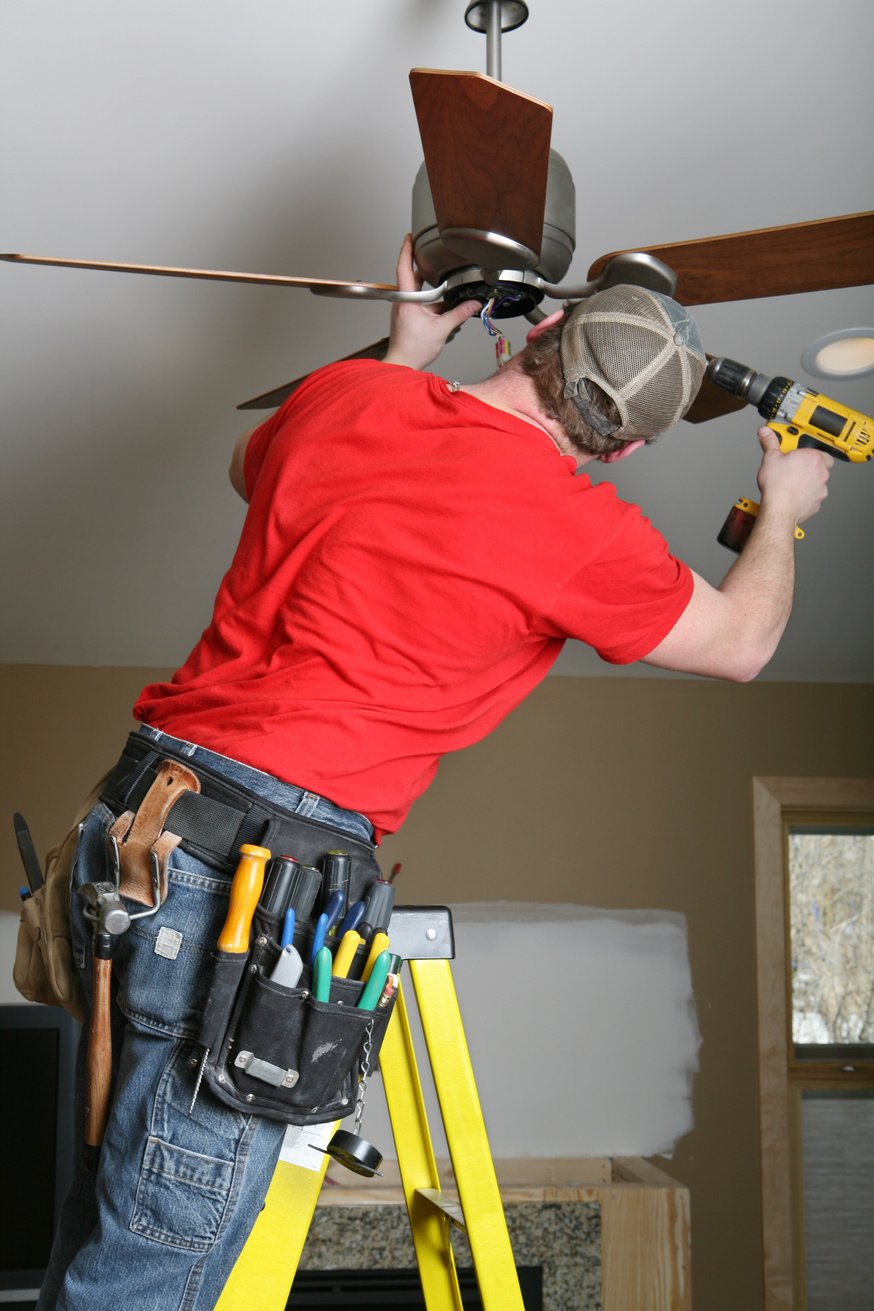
(142, 843)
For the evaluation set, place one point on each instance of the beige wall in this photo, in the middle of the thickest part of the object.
(610, 792)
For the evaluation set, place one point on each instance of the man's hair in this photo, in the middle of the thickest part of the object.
(541, 360)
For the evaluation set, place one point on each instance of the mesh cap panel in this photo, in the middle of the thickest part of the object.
(643, 349)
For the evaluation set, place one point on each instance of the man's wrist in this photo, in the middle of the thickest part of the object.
(410, 359)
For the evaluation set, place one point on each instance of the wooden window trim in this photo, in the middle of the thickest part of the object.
(772, 799)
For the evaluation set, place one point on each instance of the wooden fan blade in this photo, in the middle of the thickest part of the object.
(269, 400)
(322, 286)
(487, 154)
(712, 402)
(817, 256)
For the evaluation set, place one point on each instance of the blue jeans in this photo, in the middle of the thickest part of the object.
(159, 1224)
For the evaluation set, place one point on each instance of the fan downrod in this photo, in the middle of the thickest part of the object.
(494, 17)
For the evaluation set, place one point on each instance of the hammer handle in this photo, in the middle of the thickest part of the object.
(99, 1055)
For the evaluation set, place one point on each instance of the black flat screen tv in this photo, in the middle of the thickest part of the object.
(37, 1059)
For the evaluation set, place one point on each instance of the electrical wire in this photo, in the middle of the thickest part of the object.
(503, 351)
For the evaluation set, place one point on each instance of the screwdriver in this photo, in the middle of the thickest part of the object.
(377, 909)
(278, 884)
(246, 887)
(245, 890)
(335, 878)
(303, 890)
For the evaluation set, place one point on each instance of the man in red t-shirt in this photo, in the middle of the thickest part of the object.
(417, 552)
(414, 556)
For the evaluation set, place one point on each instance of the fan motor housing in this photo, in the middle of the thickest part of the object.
(436, 262)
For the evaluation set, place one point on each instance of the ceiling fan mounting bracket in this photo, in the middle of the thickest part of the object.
(515, 292)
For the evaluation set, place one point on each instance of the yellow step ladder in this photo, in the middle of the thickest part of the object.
(262, 1278)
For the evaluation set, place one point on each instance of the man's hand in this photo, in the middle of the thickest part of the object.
(794, 484)
(731, 631)
(418, 333)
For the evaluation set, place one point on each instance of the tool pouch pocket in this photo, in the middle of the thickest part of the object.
(44, 969)
(277, 1051)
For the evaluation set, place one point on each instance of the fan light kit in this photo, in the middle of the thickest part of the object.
(493, 220)
(847, 353)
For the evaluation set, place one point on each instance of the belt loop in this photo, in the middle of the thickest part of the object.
(258, 825)
(308, 803)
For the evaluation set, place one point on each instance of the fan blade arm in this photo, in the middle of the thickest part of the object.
(318, 286)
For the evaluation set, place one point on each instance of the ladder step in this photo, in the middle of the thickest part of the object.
(452, 1210)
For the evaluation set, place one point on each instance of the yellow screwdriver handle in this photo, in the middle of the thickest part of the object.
(246, 889)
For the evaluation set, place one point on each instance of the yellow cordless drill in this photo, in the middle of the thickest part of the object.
(800, 418)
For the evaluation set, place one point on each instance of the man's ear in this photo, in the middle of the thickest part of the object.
(628, 449)
(548, 322)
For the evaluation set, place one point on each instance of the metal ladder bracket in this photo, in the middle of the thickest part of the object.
(422, 933)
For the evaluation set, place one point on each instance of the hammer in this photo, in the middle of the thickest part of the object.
(110, 918)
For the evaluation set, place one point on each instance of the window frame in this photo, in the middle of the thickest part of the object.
(778, 802)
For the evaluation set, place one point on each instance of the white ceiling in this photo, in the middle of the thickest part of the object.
(281, 137)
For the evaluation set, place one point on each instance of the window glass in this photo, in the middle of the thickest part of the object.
(831, 914)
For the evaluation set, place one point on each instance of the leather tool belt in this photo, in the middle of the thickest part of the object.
(268, 1049)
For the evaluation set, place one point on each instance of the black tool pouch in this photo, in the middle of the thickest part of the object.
(276, 1051)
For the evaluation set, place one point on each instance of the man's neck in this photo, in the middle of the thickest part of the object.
(511, 389)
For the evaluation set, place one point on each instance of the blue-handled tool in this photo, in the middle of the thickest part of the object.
(334, 907)
(352, 918)
(319, 934)
(287, 928)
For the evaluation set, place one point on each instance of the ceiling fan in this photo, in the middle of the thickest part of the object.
(493, 219)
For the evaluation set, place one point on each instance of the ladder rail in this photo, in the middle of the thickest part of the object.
(466, 1137)
(430, 1229)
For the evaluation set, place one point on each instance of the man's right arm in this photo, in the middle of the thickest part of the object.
(732, 631)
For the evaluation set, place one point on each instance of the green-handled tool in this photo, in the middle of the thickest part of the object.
(375, 984)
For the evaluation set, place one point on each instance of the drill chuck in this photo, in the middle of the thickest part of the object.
(731, 376)
(757, 389)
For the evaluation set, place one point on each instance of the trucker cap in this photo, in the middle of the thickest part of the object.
(643, 349)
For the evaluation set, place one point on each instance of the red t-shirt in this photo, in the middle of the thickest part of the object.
(410, 566)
